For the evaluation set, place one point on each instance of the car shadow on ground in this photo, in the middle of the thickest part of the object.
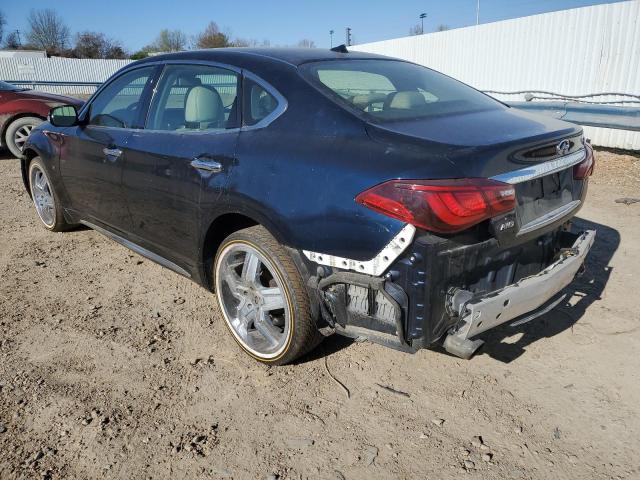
(6, 155)
(582, 292)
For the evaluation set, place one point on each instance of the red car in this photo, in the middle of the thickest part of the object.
(22, 109)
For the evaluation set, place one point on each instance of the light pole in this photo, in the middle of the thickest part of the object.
(331, 35)
(422, 17)
(478, 13)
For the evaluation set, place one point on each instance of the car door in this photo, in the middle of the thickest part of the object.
(189, 140)
(93, 155)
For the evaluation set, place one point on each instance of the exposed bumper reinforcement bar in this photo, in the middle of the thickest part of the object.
(480, 314)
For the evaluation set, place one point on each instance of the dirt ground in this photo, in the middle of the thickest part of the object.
(113, 367)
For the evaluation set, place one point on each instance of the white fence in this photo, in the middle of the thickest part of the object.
(60, 70)
(572, 52)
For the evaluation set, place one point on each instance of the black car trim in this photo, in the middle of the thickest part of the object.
(138, 249)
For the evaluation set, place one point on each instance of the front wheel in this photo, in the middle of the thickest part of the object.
(44, 197)
(263, 298)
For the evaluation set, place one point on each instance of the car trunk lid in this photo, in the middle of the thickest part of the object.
(535, 154)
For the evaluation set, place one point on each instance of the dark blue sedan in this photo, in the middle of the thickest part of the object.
(319, 192)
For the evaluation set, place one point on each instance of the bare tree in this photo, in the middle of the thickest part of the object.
(168, 41)
(12, 42)
(97, 45)
(3, 23)
(306, 43)
(212, 37)
(416, 30)
(442, 28)
(47, 30)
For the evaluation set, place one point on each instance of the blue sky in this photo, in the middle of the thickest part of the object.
(136, 22)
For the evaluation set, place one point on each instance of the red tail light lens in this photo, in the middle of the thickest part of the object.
(443, 206)
(585, 168)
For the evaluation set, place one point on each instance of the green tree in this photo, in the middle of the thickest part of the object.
(213, 37)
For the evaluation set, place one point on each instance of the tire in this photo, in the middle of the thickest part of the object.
(249, 296)
(18, 132)
(44, 197)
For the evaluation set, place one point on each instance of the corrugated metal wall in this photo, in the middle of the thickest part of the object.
(60, 69)
(572, 52)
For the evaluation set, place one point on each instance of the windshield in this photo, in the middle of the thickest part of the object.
(389, 90)
(4, 86)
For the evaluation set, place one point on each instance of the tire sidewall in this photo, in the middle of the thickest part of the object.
(37, 163)
(13, 128)
(240, 238)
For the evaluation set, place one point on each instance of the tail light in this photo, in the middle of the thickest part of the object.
(585, 168)
(443, 206)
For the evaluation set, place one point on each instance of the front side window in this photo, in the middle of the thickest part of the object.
(195, 97)
(258, 102)
(118, 104)
(389, 90)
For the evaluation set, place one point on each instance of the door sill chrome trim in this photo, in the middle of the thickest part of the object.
(549, 217)
(138, 249)
(541, 169)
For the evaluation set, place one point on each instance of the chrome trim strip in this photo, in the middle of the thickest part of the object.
(541, 169)
(378, 264)
(549, 217)
(138, 249)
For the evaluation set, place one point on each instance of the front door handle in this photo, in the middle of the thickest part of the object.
(207, 165)
(112, 152)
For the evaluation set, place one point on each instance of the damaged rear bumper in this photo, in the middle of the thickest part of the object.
(436, 292)
(524, 300)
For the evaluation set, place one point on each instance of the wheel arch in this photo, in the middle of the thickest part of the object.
(230, 222)
(27, 155)
(219, 229)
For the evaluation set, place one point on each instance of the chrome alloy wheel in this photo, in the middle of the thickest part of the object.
(42, 196)
(21, 135)
(253, 300)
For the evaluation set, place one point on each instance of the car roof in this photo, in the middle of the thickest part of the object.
(292, 56)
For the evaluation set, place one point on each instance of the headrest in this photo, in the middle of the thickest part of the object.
(203, 105)
(407, 100)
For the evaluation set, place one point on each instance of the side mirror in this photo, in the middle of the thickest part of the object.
(63, 116)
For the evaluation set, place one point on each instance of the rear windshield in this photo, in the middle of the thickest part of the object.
(388, 90)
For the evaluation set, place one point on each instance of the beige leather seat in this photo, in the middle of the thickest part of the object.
(407, 100)
(203, 109)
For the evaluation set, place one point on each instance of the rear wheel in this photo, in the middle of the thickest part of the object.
(44, 197)
(18, 132)
(263, 298)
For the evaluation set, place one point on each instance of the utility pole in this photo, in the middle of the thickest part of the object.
(422, 17)
(331, 35)
(478, 13)
(348, 35)
(18, 37)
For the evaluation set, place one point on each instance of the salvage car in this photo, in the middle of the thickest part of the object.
(319, 192)
(22, 109)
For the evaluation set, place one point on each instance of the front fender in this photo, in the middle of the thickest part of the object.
(43, 143)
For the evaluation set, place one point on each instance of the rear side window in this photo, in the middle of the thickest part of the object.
(118, 104)
(388, 90)
(258, 102)
(195, 97)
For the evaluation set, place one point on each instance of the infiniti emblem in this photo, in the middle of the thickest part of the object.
(563, 147)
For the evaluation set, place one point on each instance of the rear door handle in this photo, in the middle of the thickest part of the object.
(112, 152)
(206, 165)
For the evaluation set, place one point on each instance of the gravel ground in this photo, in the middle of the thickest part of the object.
(113, 367)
